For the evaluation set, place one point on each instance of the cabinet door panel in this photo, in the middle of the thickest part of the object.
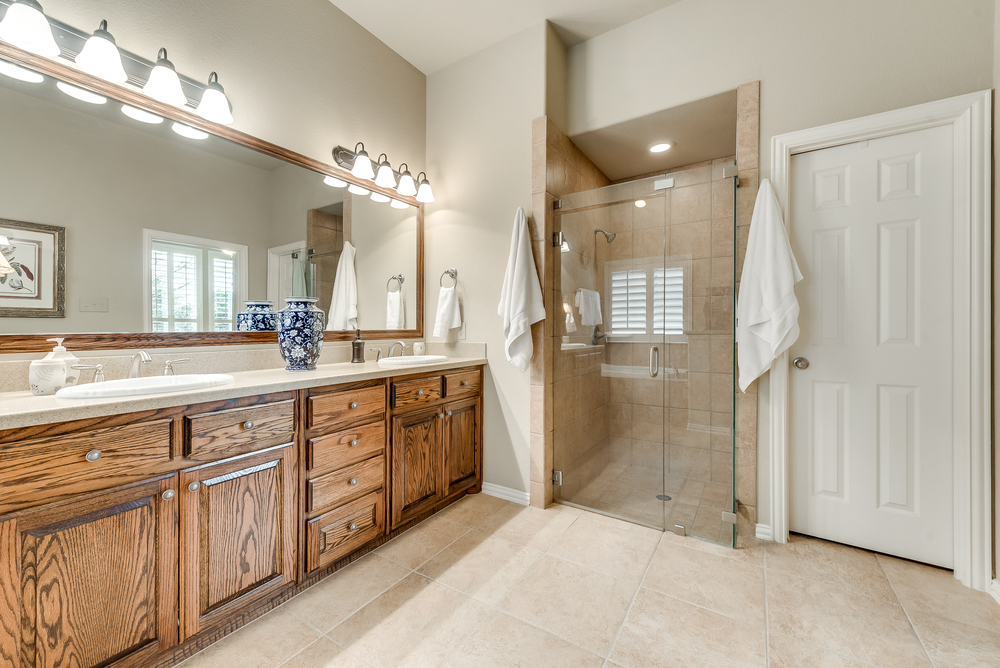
(461, 461)
(416, 457)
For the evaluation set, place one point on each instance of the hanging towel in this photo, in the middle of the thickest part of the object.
(767, 311)
(448, 314)
(395, 315)
(521, 296)
(589, 303)
(344, 305)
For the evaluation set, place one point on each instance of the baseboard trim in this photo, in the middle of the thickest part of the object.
(764, 532)
(507, 493)
(995, 590)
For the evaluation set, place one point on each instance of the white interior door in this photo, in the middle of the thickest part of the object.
(871, 415)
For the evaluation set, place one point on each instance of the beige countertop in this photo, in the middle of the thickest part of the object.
(22, 409)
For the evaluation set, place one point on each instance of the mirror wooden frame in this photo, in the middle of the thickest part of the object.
(30, 343)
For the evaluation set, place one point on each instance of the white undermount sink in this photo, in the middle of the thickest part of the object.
(134, 387)
(412, 360)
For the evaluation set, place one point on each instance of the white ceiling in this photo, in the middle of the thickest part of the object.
(432, 34)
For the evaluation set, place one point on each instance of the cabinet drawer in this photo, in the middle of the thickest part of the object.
(336, 488)
(417, 392)
(239, 430)
(41, 470)
(462, 384)
(348, 407)
(334, 451)
(341, 531)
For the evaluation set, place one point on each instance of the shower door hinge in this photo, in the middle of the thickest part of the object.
(557, 239)
(728, 517)
(556, 477)
(729, 171)
(557, 204)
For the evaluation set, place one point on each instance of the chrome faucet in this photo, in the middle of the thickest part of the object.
(598, 335)
(378, 353)
(402, 348)
(141, 357)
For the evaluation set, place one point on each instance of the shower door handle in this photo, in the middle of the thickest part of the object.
(654, 362)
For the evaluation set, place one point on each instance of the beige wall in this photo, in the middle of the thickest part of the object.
(996, 288)
(479, 113)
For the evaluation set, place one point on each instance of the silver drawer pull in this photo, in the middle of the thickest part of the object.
(354, 405)
(354, 481)
(194, 487)
(420, 393)
(354, 443)
(248, 425)
(168, 495)
(353, 526)
(94, 455)
(465, 382)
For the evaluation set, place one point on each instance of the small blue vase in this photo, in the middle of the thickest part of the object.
(300, 333)
(258, 316)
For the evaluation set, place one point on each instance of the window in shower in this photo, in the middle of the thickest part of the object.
(636, 310)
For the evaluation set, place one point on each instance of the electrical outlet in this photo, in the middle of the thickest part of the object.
(99, 305)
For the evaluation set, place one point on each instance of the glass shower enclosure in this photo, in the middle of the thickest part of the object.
(643, 362)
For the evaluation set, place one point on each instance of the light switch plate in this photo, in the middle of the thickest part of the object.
(98, 305)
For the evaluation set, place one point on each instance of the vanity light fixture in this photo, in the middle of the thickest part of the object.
(385, 177)
(189, 132)
(357, 190)
(20, 73)
(399, 204)
(424, 192)
(101, 58)
(639, 203)
(335, 182)
(140, 115)
(406, 187)
(81, 94)
(25, 26)
(659, 147)
(214, 104)
(379, 197)
(164, 85)
(362, 163)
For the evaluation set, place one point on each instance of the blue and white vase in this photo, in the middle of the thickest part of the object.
(258, 316)
(300, 333)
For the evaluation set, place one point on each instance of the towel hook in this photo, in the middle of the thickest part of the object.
(399, 278)
(449, 272)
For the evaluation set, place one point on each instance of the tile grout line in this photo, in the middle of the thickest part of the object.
(628, 610)
(905, 611)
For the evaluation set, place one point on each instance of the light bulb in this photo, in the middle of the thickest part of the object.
(362, 163)
(21, 74)
(140, 115)
(380, 198)
(81, 94)
(639, 203)
(163, 84)
(399, 204)
(406, 187)
(25, 26)
(424, 192)
(188, 131)
(659, 148)
(214, 105)
(336, 183)
(100, 56)
(357, 190)
(385, 177)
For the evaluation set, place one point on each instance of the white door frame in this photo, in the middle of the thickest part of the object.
(971, 119)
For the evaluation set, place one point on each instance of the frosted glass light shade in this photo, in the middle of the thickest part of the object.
(335, 182)
(25, 26)
(358, 190)
(380, 198)
(385, 177)
(21, 74)
(214, 105)
(100, 57)
(164, 85)
(399, 204)
(362, 163)
(81, 94)
(406, 187)
(140, 115)
(188, 131)
(424, 192)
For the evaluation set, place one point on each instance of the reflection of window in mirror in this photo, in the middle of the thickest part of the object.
(192, 284)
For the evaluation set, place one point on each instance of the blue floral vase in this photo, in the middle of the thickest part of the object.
(258, 316)
(300, 333)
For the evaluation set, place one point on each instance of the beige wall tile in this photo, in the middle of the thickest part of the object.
(538, 168)
(723, 237)
(690, 204)
(692, 240)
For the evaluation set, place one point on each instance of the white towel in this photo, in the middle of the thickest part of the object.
(570, 319)
(589, 303)
(767, 311)
(395, 310)
(521, 296)
(344, 304)
(448, 314)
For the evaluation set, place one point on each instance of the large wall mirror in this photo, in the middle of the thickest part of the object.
(169, 229)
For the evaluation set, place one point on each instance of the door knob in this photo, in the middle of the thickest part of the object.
(800, 363)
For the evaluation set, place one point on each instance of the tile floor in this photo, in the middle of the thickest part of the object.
(491, 583)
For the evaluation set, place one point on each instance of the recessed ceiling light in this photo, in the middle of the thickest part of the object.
(659, 148)
(188, 131)
(20, 73)
(640, 203)
(140, 115)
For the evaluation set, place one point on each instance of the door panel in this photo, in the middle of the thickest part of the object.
(416, 456)
(460, 451)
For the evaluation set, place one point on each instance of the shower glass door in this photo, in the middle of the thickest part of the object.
(643, 354)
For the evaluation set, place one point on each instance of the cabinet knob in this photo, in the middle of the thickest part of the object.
(354, 405)
(441, 415)
(94, 455)
(168, 495)
(353, 526)
(464, 383)
(448, 413)
(354, 443)
(194, 487)
(420, 393)
(354, 481)
(248, 425)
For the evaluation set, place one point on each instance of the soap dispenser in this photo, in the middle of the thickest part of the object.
(68, 358)
(358, 350)
(53, 372)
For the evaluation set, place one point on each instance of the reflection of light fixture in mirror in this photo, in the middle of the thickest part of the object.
(362, 163)
(424, 193)
(639, 203)
(189, 132)
(659, 147)
(25, 26)
(100, 56)
(399, 204)
(163, 83)
(357, 190)
(16, 72)
(5, 267)
(214, 104)
(81, 94)
(406, 187)
(379, 197)
(564, 247)
(140, 115)
(229, 252)
(385, 177)
(335, 182)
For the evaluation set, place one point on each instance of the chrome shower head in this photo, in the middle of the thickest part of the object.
(610, 236)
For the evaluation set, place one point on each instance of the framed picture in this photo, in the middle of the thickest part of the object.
(36, 288)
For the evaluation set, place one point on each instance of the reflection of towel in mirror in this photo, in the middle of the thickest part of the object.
(589, 303)
(570, 321)
(521, 296)
(395, 317)
(448, 314)
(344, 305)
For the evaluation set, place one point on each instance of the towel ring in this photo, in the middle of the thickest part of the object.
(399, 278)
(449, 272)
